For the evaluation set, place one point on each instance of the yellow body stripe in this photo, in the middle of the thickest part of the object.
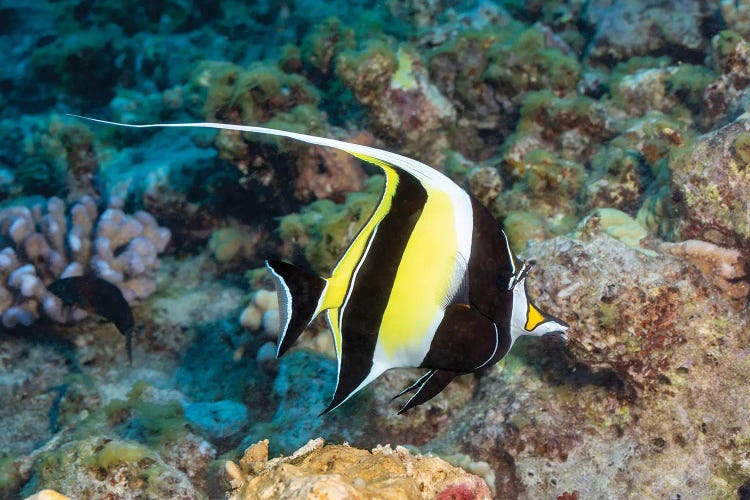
(423, 278)
(338, 283)
(424, 275)
(333, 323)
(533, 318)
(341, 276)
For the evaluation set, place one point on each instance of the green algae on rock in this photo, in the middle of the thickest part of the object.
(522, 226)
(324, 229)
(616, 224)
(96, 467)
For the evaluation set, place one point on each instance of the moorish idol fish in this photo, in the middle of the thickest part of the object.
(429, 281)
(98, 296)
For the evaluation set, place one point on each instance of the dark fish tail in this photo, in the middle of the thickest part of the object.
(299, 294)
(97, 295)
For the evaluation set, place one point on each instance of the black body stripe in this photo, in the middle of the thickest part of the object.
(465, 340)
(361, 318)
(490, 269)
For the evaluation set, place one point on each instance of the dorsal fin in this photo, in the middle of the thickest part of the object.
(422, 172)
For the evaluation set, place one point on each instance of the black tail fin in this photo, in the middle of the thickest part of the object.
(299, 293)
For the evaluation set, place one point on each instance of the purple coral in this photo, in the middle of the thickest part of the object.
(41, 244)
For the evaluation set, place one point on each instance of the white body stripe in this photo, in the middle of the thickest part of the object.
(464, 223)
(511, 258)
(376, 371)
(519, 312)
(418, 385)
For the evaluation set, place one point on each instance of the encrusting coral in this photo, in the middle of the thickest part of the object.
(725, 268)
(320, 471)
(41, 244)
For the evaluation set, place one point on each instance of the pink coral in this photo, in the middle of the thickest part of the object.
(43, 244)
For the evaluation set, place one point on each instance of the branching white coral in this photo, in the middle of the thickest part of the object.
(41, 244)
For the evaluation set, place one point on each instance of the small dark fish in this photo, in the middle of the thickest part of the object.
(99, 296)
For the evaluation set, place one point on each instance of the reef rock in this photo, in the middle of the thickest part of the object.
(629, 406)
(633, 309)
(404, 104)
(711, 185)
(645, 27)
(728, 95)
(319, 471)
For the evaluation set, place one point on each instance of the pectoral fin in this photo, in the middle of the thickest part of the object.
(465, 341)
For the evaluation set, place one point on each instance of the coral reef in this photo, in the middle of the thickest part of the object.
(265, 95)
(724, 267)
(405, 106)
(47, 495)
(234, 242)
(487, 74)
(485, 183)
(312, 377)
(44, 243)
(425, 422)
(737, 16)
(60, 157)
(96, 467)
(660, 341)
(631, 328)
(321, 471)
(609, 138)
(66, 62)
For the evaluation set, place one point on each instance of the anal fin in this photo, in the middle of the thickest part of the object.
(427, 386)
